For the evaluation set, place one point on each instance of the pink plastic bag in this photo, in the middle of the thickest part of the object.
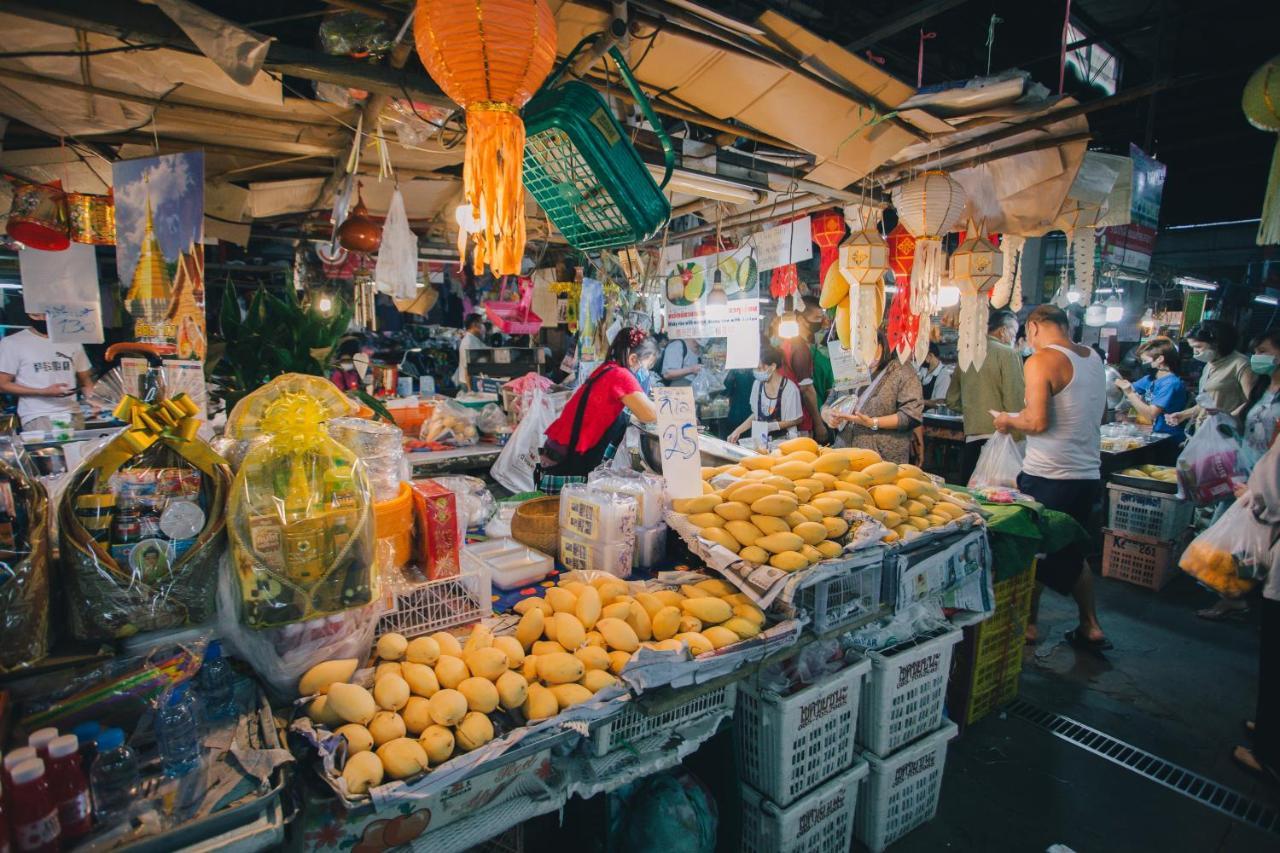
(1207, 467)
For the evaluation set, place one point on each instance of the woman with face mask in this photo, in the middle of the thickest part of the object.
(1226, 382)
(1262, 416)
(1158, 392)
(775, 403)
(890, 407)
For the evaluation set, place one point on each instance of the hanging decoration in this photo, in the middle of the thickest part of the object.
(827, 229)
(976, 266)
(490, 56)
(1261, 104)
(1084, 246)
(784, 281)
(930, 207)
(358, 232)
(1007, 291)
(38, 217)
(92, 218)
(857, 281)
(904, 324)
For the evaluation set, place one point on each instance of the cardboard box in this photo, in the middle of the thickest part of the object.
(439, 543)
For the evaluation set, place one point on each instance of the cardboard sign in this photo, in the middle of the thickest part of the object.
(678, 441)
(743, 349)
(788, 243)
(846, 369)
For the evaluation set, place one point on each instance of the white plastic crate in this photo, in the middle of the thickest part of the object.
(1147, 513)
(829, 601)
(819, 822)
(903, 697)
(788, 745)
(901, 791)
(440, 604)
(632, 725)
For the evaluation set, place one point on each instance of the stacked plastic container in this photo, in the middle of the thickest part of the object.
(794, 739)
(597, 530)
(651, 530)
(903, 736)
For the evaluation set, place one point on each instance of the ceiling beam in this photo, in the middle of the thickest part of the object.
(144, 24)
(917, 14)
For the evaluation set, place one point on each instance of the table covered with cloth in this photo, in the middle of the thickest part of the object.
(1019, 531)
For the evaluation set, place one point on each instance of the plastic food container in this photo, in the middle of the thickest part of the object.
(512, 565)
(596, 515)
(578, 554)
(651, 544)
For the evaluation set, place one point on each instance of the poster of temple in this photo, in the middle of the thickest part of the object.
(159, 256)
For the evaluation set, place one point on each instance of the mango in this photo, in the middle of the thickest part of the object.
(754, 554)
(481, 694)
(540, 703)
(811, 532)
(791, 445)
(719, 636)
(793, 470)
(698, 644)
(881, 473)
(708, 610)
(788, 561)
(322, 675)
(734, 511)
(744, 531)
(888, 496)
(770, 524)
(776, 543)
(619, 635)
(778, 505)
(568, 695)
(753, 492)
(827, 506)
(721, 537)
(829, 549)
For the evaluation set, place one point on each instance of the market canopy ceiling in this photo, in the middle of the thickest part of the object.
(271, 149)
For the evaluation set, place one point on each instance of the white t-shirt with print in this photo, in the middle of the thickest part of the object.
(37, 362)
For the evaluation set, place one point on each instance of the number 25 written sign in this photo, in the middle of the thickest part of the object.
(678, 441)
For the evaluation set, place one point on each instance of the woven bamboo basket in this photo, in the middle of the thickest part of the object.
(537, 524)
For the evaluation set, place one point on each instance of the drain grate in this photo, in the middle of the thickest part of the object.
(1205, 791)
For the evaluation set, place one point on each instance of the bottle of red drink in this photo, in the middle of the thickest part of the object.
(39, 741)
(12, 759)
(69, 788)
(35, 817)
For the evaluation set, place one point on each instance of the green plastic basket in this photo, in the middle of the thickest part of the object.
(582, 169)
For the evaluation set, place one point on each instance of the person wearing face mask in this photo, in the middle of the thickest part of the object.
(1066, 399)
(1158, 392)
(472, 338)
(591, 427)
(996, 386)
(797, 365)
(1262, 414)
(345, 375)
(935, 377)
(775, 403)
(646, 355)
(889, 409)
(1226, 381)
(43, 375)
(819, 323)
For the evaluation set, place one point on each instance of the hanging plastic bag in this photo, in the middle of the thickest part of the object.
(397, 270)
(999, 465)
(514, 466)
(1207, 466)
(702, 385)
(1233, 554)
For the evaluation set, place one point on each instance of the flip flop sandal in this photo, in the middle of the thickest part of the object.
(1254, 768)
(1084, 644)
(1235, 614)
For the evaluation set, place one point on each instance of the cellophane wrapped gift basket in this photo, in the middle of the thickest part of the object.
(141, 522)
(24, 561)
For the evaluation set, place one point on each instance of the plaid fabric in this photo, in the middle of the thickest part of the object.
(552, 484)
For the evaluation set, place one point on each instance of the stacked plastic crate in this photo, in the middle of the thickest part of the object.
(797, 759)
(1147, 529)
(903, 736)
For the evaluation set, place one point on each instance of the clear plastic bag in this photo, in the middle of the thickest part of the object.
(1233, 554)
(141, 525)
(515, 464)
(492, 420)
(1207, 467)
(450, 423)
(999, 464)
(379, 445)
(301, 521)
(24, 552)
(280, 656)
(396, 272)
(647, 489)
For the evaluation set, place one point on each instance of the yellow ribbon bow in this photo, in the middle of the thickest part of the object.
(171, 420)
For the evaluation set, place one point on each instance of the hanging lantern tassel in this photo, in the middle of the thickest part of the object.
(926, 275)
(972, 346)
(1082, 251)
(869, 311)
(491, 180)
(924, 333)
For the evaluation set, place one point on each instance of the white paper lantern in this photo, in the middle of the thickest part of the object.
(976, 264)
(864, 256)
(931, 205)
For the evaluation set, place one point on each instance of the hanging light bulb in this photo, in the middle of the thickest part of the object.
(717, 297)
(1148, 322)
(789, 327)
(324, 304)
(469, 219)
(1115, 310)
(948, 296)
(1095, 315)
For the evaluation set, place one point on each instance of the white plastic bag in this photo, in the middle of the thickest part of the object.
(396, 273)
(999, 465)
(1234, 554)
(514, 466)
(1207, 466)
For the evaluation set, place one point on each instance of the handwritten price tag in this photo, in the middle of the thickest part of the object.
(678, 441)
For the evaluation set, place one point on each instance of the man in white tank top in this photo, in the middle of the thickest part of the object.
(1066, 399)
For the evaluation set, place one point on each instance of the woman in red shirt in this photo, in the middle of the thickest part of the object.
(589, 430)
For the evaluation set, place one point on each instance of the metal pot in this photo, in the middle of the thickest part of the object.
(714, 451)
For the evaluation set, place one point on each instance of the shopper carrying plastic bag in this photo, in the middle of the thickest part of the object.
(999, 464)
(1207, 466)
(1233, 553)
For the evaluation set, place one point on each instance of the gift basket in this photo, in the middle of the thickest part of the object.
(300, 511)
(24, 555)
(141, 522)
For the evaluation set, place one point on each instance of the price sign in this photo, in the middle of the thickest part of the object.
(846, 368)
(678, 441)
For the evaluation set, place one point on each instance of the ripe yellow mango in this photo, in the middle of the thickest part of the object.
(881, 473)
(778, 505)
(831, 463)
(805, 443)
(793, 470)
(811, 532)
(827, 506)
(618, 634)
(888, 497)
(707, 610)
(734, 511)
(691, 506)
(744, 531)
(720, 536)
(754, 554)
(776, 543)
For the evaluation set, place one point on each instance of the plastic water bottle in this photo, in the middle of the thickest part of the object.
(114, 780)
(218, 685)
(178, 731)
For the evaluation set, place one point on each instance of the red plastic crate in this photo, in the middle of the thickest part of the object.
(1141, 560)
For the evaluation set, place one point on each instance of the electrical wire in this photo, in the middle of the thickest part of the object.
(31, 54)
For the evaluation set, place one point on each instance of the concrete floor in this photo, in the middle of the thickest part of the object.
(1176, 686)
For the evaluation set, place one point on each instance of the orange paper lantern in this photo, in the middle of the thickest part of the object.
(490, 56)
(827, 229)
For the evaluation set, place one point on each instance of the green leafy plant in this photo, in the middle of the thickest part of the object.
(277, 335)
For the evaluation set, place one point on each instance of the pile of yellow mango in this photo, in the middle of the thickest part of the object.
(787, 509)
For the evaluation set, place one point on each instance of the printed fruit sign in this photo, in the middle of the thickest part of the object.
(713, 296)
